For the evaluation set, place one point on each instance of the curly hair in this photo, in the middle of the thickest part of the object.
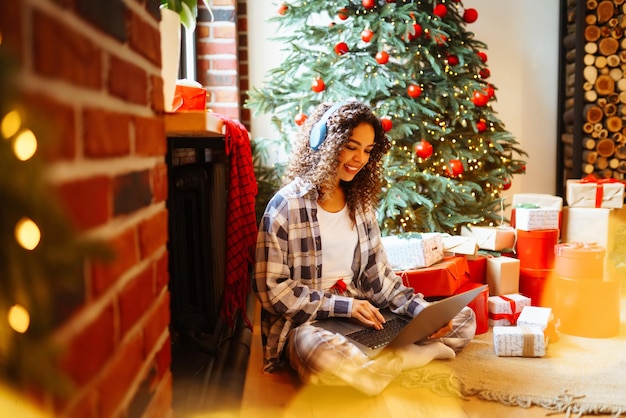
(320, 167)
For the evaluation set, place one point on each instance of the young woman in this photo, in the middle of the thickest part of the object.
(319, 255)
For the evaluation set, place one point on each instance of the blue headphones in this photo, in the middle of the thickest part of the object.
(318, 132)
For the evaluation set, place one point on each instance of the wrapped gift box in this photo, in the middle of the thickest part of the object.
(578, 260)
(535, 316)
(479, 306)
(519, 341)
(605, 227)
(535, 249)
(533, 219)
(459, 245)
(478, 269)
(414, 250)
(532, 283)
(593, 193)
(441, 279)
(538, 200)
(493, 238)
(502, 275)
(504, 310)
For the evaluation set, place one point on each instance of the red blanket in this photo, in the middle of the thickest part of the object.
(241, 224)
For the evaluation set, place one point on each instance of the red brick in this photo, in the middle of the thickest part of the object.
(159, 183)
(132, 191)
(242, 22)
(156, 94)
(221, 80)
(106, 134)
(126, 255)
(11, 24)
(85, 407)
(150, 138)
(226, 96)
(163, 358)
(88, 351)
(231, 112)
(127, 81)
(224, 64)
(161, 403)
(223, 2)
(162, 272)
(157, 322)
(144, 38)
(64, 54)
(214, 48)
(136, 298)
(224, 31)
(88, 201)
(58, 126)
(120, 375)
(153, 233)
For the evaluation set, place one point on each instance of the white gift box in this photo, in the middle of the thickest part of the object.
(494, 238)
(457, 244)
(502, 275)
(535, 316)
(526, 341)
(535, 219)
(539, 199)
(503, 309)
(413, 251)
(594, 194)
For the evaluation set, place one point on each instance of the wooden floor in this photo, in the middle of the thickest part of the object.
(282, 395)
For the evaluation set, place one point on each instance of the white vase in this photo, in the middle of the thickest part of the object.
(169, 27)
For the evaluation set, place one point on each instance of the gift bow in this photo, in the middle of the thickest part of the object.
(511, 317)
(339, 287)
(558, 248)
(599, 186)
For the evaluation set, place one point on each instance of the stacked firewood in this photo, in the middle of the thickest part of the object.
(603, 136)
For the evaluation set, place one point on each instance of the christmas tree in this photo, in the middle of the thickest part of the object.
(424, 74)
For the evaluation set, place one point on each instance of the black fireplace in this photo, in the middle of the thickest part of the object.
(209, 358)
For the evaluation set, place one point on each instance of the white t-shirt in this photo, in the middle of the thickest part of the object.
(339, 239)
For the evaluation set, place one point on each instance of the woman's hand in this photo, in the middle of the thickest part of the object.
(367, 314)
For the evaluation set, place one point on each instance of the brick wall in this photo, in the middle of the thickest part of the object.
(221, 44)
(91, 68)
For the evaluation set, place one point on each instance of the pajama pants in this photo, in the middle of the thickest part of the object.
(323, 357)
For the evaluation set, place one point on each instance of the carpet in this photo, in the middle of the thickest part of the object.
(578, 376)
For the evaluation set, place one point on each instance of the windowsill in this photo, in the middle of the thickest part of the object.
(193, 123)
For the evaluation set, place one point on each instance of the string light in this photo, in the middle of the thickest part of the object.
(11, 123)
(18, 318)
(25, 145)
(27, 234)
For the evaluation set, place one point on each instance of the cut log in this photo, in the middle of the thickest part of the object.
(591, 19)
(616, 73)
(591, 96)
(567, 138)
(588, 59)
(590, 157)
(608, 46)
(609, 109)
(612, 98)
(592, 33)
(601, 163)
(601, 62)
(591, 47)
(589, 143)
(605, 147)
(605, 11)
(614, 123)
(613, 61)
(591, 4)
(622, 167)
(604, 85)
(613, 163)
(588, 168)
(621, 85)
(588, 128)
(620, 152)
(592, 113)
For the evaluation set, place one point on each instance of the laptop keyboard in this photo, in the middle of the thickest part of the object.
(374, 338)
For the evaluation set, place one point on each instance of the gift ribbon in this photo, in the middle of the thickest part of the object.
(528, 348)
(511, 317)
(599, 186)
(339, 287)
(575, 245)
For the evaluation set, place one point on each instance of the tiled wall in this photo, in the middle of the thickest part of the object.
(91, 69)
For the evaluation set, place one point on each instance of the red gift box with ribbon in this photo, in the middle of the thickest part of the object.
(592, 192)
(441, 279)
(505, 309)
(479, 306)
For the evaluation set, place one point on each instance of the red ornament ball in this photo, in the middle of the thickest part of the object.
(452, 60)
(455, 168)
(440, 10)
(282, 9)
(506, 183)
(367, 35)
(342, 14)
(300, 119)
(341, 48)
(382, 57)
(480, 98)
(417, 31)
(368, 4)
(424, 149)
(490, 91)
(470, 15)
(414, 91)
(318, 85)
(481, 125)
(482, 56)
(484, 73)
(386, 123)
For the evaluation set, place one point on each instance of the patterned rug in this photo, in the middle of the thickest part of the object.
(578, 376)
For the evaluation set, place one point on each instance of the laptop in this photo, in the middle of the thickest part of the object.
(400, 331)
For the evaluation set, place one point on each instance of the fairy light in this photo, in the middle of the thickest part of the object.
(10, 124)
(27, 233)
(25, 145)
(18, 318)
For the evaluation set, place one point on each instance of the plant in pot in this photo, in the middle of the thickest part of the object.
(173, 14)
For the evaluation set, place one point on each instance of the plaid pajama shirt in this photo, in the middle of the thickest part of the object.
(288, 282)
